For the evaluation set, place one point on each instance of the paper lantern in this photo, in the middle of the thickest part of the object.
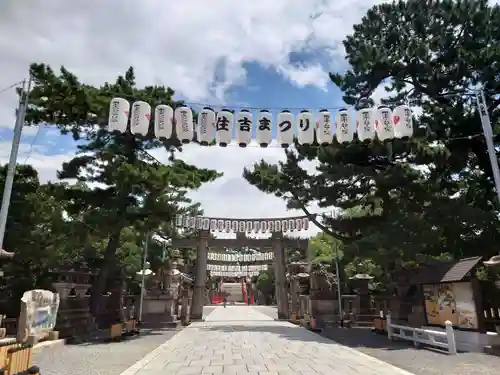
(163, 125)
(139, 118)
(264, 128)
(119, 110)
(179, 220)
(244, 128)
(384, 124)
(403, 122)
(344, 129)
(184, 124)
(324, 133)
(206, 126)
(241, 226)
(224, 127)
(305, 223)
(248, 226)
(365, 124)
(213, 225)
(305, 128)
(227, 226)
(256, 226)
(206, 223)
(285, 128)
(234, 226)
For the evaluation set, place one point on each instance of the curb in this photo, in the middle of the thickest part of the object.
(45, 344)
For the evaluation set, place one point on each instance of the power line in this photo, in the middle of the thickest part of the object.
(11, 86)
(32, 144)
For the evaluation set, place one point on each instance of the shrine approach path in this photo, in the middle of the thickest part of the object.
(243, 340)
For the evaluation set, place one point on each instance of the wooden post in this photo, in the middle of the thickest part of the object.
(199, 282)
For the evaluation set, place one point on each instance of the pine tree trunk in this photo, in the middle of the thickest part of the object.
(109, 260)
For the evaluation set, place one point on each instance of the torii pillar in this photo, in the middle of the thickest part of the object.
(280, 276)
(200, 277)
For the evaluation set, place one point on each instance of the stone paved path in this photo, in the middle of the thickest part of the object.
(242, 340)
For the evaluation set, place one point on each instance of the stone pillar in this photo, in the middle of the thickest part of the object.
(200, 277)
(294, 294)
(279, 269)
(185, 305)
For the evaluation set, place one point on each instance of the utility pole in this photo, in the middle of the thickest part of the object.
(11, 169)
(488, 135)
(143, 276)
(339, 291)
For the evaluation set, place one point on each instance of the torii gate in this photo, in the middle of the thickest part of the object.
(203, 242)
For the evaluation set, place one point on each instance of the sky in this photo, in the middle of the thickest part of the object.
(249, 53)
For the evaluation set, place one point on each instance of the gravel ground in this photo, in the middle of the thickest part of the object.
(403, 355)
(417, 361)
(101, 358)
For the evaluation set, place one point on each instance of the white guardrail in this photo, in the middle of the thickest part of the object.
(444, 340)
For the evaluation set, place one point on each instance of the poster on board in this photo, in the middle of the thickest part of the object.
(453, 302)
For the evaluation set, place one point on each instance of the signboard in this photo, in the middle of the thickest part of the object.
(38, 313)
(453, 302)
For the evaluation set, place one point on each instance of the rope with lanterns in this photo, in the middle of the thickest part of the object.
(224, 126)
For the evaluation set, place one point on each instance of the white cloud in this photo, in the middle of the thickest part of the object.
(181, 44)
(199, 48)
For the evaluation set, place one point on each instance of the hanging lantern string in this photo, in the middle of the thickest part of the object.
(386, 102)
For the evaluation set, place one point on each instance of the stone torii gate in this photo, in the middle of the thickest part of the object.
(204, 241)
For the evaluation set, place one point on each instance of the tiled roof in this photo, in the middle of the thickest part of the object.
(446, 271)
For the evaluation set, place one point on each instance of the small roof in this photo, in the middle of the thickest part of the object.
(446, 271)
(493, 261)
(5, 254)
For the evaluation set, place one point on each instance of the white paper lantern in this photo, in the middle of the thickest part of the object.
(206, 126)
(291, 225)
(365, 124)
(264, 128)
(179, 220)
(206, 223)
(403, 122)
(224, 127)
(344, 129)
(305, 128)
(227, 226)
(241, 226)
(234, 226)
(285, 129)
(244, 124)
(248, 226)
(184, 124)
(220, 225)
(263, 226)
(305, 223)
(324, 134)
(284, 225)
(256, 226)
(277, 226)
(384, 124)
(213, 225)
(139, 118)
(119, 110)
(163, 125)
(298, 224)
(270, 226)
